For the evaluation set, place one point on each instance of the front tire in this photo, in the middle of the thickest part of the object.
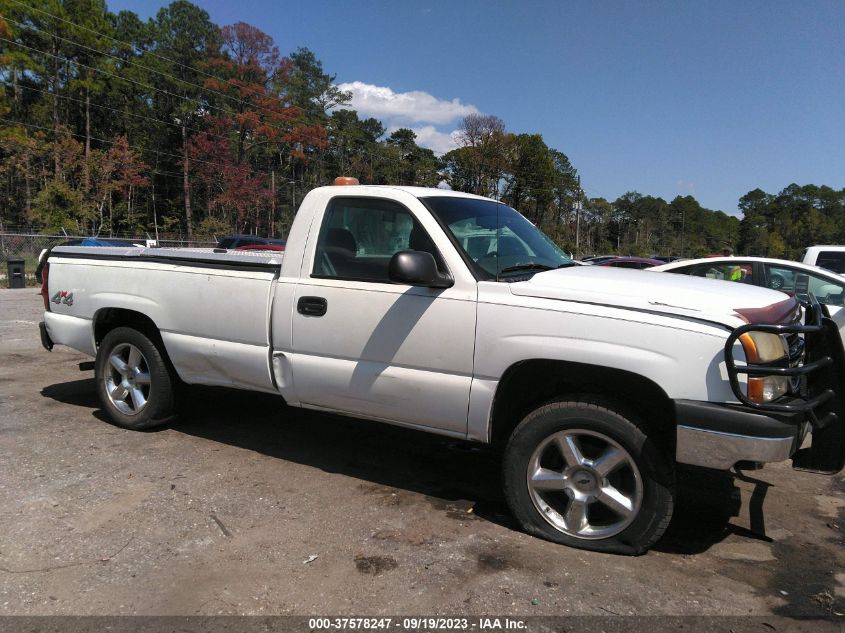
(584, 475)
(134, 381)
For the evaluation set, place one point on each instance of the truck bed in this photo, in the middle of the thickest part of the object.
(210, 306)
(198, 256)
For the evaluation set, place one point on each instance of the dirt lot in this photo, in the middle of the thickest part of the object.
(246, 506)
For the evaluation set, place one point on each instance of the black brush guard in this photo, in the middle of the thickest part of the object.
(821, 378)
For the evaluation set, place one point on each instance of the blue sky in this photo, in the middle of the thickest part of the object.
(705, 98)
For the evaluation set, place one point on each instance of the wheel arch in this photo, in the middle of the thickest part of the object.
(529, 384)
(107, 319)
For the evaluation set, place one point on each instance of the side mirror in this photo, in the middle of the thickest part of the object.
(417, 268)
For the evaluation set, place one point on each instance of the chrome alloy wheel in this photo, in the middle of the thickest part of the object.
(584, 484)
(127, 379)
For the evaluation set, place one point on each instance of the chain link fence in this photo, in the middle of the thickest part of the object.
(28, 246)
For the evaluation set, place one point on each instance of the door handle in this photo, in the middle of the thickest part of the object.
(312, 306)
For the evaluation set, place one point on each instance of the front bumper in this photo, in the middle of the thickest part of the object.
(716, 435)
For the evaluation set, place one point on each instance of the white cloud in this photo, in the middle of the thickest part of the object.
(415, 106)
(432, 138)
(685, 186)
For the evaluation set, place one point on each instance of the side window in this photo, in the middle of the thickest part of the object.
(826, 291)
(359, 236)
(723, 271)
(779, 278)
(793, 281)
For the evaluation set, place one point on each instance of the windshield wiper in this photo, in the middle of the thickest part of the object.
(531, 266)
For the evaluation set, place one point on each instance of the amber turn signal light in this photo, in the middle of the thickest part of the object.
(345, 180)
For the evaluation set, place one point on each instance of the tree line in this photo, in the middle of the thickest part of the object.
(176, 126)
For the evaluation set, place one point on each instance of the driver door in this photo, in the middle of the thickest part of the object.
(368, 347)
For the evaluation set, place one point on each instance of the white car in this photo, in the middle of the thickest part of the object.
(793, 278)
(453, 314)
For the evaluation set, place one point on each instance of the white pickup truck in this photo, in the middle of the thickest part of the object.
(830, 257)
(451, 313)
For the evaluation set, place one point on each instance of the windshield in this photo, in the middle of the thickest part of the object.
(497, 241)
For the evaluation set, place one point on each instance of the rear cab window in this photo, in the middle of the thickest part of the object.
(832, 260)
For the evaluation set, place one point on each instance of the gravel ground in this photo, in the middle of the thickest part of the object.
(246, 506)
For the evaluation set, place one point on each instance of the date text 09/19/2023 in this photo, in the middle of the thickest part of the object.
(416, 623)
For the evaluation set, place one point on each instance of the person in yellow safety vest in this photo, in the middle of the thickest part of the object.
(736, 271)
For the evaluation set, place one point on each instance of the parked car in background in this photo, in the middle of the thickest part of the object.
(236, 241)
(794, 278)
(830, 257)
(87, 241)
(598, 259)
(637, 263)
(261, 247)
(667, 259)
(711, 267)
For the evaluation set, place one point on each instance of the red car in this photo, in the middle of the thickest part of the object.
(261, 247)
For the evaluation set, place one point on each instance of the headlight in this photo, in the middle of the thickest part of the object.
(768, 388)
(762, 348)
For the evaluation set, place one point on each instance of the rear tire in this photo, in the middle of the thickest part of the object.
(134, 380)
(584, 475)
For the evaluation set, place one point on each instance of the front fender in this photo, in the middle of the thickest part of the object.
(685, 360)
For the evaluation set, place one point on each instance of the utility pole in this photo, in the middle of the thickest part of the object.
(578, 206)
(272, 202)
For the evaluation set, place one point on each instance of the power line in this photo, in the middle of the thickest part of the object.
(143, 151)
(134, 63)
(153, 169)
(129, 61)
(104, 72)
(130, 45)
(102, 140)
(312, 138)
(148, 151)
(203, 105)
(103, 107)
(379, 157)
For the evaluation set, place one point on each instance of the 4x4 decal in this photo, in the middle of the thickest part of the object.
(63, 296)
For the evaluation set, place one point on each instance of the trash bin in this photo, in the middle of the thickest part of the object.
(15, 269)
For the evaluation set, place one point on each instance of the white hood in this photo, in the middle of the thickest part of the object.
(667, 293)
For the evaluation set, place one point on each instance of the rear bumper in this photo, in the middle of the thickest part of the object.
(75, 332)
(46, 341)
(716, 435)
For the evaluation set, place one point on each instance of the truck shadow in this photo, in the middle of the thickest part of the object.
(705, 504)
(451, 474)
